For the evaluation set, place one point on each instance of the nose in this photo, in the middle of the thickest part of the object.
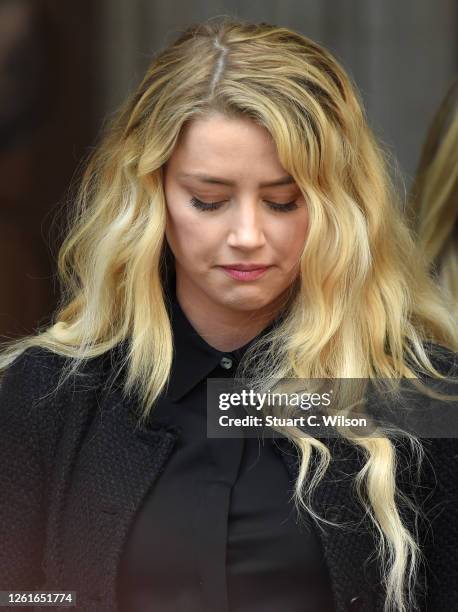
(246, 227)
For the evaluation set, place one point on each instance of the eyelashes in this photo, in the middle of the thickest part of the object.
(204, 206)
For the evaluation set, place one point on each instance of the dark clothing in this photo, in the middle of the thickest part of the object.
(75, 469)
(219, 502)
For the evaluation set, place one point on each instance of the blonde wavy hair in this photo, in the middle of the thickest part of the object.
(368, 307)
(434, 196)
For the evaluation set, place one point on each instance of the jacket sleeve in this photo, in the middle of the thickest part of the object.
(440, 505)
(22, 479)
(441, 512)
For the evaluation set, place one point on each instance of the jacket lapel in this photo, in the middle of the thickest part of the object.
(105, 494)
(115, 466)
(348, 549)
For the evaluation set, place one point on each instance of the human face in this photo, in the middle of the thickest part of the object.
(230, 161)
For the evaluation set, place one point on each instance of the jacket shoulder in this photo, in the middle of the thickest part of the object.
(37, 370)
(29, 379)
(38, 389)
(444, 359)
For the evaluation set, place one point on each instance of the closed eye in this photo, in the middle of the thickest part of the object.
(203, 206)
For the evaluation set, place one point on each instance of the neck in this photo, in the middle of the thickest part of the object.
(225, 329)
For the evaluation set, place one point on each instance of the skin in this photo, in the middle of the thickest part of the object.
(226, 312)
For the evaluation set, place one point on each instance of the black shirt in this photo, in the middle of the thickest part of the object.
(217, 531)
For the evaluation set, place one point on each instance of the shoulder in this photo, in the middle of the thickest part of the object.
(39, 385)
(440, 452)
(443, 451)
(443, 359)
(33, 368)
(29, 378)
(40, 367)
(428, 468)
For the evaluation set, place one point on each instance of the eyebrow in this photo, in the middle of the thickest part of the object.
(214, 180)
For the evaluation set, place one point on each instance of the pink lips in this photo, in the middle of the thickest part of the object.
(245, 275)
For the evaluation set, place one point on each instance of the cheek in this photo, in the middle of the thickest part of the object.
(290, 236)
(189, 235)
(179, 222)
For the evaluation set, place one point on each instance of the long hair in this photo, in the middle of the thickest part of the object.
(363, 307)
(434, 197)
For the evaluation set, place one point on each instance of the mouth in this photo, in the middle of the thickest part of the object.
(247, 273)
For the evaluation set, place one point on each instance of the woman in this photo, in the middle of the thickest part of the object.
(434, 198)
(237, 217)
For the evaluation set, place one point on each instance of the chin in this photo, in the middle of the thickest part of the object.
(246, 303)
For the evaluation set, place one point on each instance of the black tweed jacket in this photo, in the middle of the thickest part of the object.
(66, 500)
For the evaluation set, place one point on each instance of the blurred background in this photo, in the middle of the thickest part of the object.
(66, 66)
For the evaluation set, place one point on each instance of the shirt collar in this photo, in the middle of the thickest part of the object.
(194, 359)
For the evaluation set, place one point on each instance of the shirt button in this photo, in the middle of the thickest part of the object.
(355, 604)
(226, 363)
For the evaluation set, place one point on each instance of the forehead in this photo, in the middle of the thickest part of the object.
(226, 147)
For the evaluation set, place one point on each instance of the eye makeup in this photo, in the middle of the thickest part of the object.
(206, 206)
